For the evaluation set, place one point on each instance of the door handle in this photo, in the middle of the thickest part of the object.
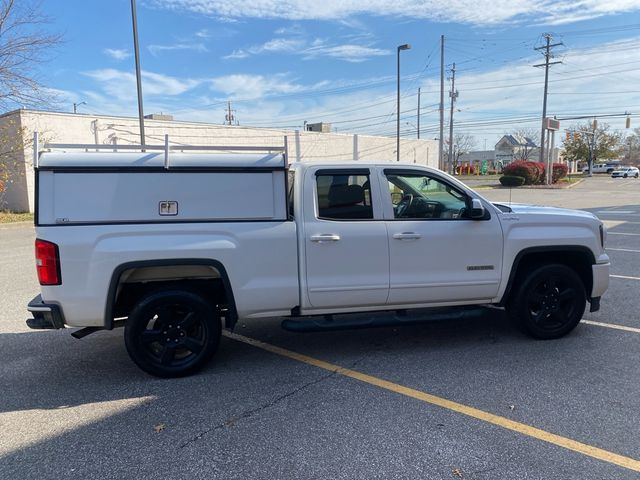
(325, 237)
(407, 236)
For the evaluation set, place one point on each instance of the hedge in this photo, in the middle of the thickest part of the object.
(511, 181)
(532, 172)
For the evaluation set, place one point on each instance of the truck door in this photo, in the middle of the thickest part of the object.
(437, 253)
(345, 239)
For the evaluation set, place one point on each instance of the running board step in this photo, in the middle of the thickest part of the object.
(320, 324)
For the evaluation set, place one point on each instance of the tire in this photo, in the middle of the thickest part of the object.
(636, 175)
(549, 301)
(625, 175)
(172, 333)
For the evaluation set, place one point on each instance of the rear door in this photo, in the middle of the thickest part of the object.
(345, 239)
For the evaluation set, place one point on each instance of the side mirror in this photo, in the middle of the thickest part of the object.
(477, 209)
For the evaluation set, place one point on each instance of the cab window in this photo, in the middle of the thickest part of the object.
(419, 196)
(344, 197)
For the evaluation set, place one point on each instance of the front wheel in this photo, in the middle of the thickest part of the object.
(549, 301)
(172, 333)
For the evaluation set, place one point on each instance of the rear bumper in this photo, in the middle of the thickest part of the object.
(46, 316)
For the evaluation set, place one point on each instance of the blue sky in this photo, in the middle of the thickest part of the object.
(288, 61)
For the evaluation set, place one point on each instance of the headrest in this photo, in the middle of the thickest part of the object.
(341, 195)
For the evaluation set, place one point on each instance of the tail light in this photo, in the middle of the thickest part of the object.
(48, 263)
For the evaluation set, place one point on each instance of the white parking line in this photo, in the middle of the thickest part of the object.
(624, 233)
(624, 277)
(611, 325)
(623, 250)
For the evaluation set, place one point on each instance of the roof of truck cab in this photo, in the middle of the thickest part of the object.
(359, 164)
(157, 159)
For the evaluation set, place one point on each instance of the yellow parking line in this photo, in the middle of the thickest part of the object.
(564, 442)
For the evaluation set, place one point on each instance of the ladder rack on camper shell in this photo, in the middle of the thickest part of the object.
(166, 148)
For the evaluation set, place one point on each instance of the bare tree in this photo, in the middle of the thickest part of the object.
(24, 44)
(529, 139)
(463, 143)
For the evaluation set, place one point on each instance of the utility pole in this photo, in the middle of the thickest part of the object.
(229, 118)
(547, 56)
(136, 50)
(441, 139)
(453, 94)
(418, 112)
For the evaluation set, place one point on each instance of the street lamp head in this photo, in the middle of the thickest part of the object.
(406, 46)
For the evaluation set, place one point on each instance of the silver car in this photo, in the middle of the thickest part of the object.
(626, 172)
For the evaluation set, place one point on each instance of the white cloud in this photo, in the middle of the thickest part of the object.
(195, 47)
(277, 45)
(317, 48)
(479, 12)
(117, 53)
(121, 85)
(248, 87)
(348, 53)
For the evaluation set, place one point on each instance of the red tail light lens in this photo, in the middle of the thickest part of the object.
(48, 263)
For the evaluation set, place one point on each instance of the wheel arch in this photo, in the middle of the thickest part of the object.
(577, 257)
(125, 269)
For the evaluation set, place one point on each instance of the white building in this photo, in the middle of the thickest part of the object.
(17, 127)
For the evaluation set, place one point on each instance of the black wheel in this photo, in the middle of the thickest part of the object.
(625, 175)
(548, 302)
(172, 333)
(636, 175)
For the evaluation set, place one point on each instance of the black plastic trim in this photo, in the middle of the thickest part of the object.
(115, 280)
(546, 249)
(36, 199)
(595, 304)
(161, 222)
(343, 171)
(54, 316)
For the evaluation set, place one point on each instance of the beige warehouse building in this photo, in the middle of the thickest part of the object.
(17, 128)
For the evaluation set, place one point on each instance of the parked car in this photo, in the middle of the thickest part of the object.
(625, 172)
(608, 167)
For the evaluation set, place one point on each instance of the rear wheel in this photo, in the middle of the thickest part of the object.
(549, 301)
(172, 333)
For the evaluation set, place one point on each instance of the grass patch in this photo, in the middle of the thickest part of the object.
(10, 217)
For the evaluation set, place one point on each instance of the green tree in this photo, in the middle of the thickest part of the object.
(586, 142)
(631, 147)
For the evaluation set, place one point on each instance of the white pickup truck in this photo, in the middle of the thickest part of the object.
(171, 245)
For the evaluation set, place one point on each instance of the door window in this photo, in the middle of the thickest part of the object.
(344, 197)
(418, 196)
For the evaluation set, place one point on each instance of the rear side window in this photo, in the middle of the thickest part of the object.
(343, 196)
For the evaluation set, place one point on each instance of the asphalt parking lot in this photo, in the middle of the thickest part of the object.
(470, 399)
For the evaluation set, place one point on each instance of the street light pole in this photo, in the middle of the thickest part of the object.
(76, 105)
(136, 51)
(406, 46)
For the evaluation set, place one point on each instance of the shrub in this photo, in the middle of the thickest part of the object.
(511, 181)
(559, 170)
(532, 172)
